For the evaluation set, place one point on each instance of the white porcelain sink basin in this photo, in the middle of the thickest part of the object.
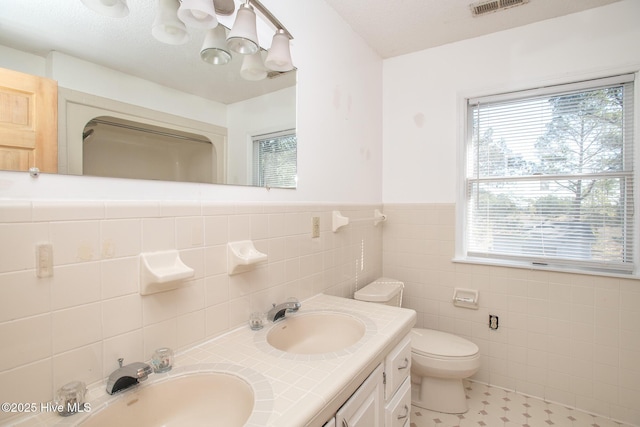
(191, 400)
(315, 333)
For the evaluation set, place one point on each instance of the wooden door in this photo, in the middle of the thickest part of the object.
(28, 122)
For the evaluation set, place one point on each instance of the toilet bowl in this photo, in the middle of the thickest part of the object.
(439, 363)
(439, 360)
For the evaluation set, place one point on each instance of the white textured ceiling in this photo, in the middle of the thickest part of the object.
(390, 27)
(397, 27)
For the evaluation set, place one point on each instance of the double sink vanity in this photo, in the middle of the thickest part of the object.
(334, 362)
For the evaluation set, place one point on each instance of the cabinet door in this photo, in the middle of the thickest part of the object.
(28, 122)
(330, 423)
(365, 408)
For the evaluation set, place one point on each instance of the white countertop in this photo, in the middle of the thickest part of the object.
(305, 388)
(292, 390)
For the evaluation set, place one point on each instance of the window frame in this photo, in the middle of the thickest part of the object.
(465, 124)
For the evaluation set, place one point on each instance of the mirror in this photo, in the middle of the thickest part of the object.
(73, 39)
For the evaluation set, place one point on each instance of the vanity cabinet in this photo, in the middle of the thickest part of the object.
(397, 382)
(384, 398)
(365, 407)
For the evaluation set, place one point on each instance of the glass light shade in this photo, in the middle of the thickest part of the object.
(252, 67)
(167, 28)
(224, 7)
(279, 56)
(112, 8)
(243, 37)
(198, 14)
(214, 49)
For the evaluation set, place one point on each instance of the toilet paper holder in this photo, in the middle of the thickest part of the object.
(465, 298)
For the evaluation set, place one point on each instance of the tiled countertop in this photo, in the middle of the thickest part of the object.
(291, 390)
(309, 389)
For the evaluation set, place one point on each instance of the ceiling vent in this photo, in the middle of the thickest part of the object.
(485, 7)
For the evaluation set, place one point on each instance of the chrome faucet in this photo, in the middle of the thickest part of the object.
(278, 312)
(127, 376)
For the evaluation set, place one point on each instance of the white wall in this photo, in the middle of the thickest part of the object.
(339, 123)
(424, 92)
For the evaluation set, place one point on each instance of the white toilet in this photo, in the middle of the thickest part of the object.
(439, 360)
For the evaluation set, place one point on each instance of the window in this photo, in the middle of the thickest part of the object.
(275, 160)
(550, 176)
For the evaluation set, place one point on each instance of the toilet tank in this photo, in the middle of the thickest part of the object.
(382, 291)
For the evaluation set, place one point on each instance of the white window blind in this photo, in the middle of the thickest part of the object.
(275, 159)
(549, 176)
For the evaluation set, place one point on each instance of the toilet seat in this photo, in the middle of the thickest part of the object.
(441, 345)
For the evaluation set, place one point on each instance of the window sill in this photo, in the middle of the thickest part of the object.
(535, 267)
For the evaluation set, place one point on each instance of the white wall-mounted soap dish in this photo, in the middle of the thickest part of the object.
(162, 271)
(243, 256)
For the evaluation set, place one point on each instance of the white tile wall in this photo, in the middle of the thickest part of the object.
(76, 324)
(568, 338)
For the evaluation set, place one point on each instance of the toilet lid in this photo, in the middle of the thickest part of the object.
(381, 290)
(437, 343)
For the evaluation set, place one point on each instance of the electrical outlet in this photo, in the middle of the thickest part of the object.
(44, 260)
(493, 322)
(315, 226)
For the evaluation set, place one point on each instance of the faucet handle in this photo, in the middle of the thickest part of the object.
(162, 360)
(293, 303)
(70, 398)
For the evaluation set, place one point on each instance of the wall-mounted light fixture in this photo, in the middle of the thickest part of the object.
(279, 56)
(253, 67)
(243, 37)
(174, 16)
(167, 28)
(214, 49)
(198, 14)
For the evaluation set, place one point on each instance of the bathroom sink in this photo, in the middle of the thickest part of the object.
(315, 333)
(201, 399)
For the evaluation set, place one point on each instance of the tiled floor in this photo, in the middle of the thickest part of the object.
(495, 407)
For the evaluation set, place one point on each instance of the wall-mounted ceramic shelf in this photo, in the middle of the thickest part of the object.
(340, 221)
(243, 256)
(162, 271)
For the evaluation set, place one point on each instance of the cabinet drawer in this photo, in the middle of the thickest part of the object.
(397, 367)
(398, 410)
